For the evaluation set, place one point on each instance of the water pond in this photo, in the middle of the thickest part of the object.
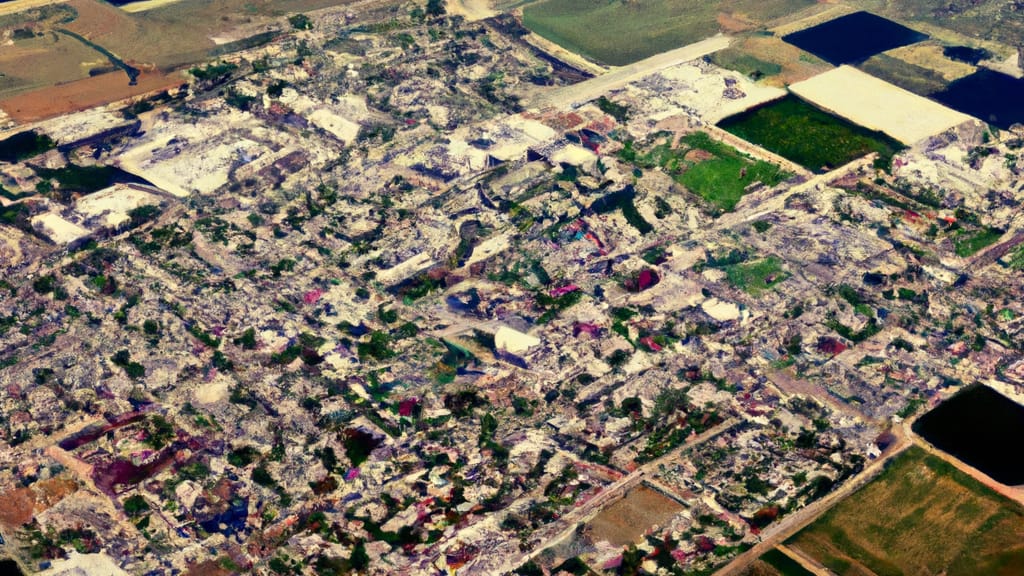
(982, 428)
(990, 96)
(853, 38)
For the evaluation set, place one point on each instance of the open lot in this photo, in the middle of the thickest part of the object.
(625, 521)
(619, 32)
(878, 105)
(921, 516)
(808, 135)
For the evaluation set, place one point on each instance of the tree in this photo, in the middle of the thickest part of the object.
(435, 7)
(359, 560)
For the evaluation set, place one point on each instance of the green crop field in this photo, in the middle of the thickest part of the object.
(808, 135)
(920, 516)
(621, 32)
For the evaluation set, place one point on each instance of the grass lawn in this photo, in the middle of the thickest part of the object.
(719, 175)
(807, 135)
(756, 277)
(618, 33)
(920, 516)
(722, 181)
(967, 243)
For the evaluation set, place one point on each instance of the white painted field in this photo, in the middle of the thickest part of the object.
(878, 105)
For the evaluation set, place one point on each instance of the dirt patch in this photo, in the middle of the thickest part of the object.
(18, 505)
(625, 521)
(83, 94)
(732, 23)
(50, 492)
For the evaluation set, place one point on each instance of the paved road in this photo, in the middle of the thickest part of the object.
(583, 92)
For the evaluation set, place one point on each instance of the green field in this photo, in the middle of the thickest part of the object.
(921, 516)
(967, 243)
(756, 277)
(720, 175)
(807, 135)
(620, 32)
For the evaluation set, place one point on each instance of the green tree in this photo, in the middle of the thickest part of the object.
(435, 7)
(359, 560)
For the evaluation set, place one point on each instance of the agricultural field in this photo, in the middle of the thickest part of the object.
(716, 172)
(898, 72)
(921, 516)
(621, 32)
(807, 135)
(972, 18)
(745, 63)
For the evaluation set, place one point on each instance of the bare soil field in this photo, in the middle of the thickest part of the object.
(878, 105)
(44, 61)
(83, 94)
(625, 521)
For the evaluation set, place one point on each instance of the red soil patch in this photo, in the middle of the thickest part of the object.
(17, 507)
(83, 94)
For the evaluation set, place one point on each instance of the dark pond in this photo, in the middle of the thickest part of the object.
(990, 96)
(966, 54)
(853, 38)
(981, 427)
(10, 567)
